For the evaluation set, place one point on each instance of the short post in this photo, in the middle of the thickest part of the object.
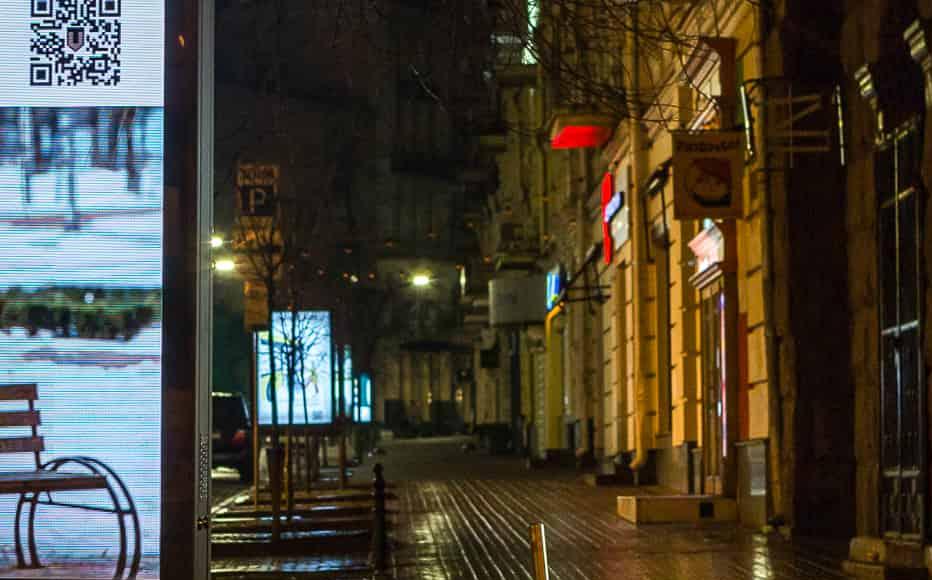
(379, 531)
(274, 454)
(539, 552)
(342, 457)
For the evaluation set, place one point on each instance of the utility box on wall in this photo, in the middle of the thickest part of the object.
(518, 300)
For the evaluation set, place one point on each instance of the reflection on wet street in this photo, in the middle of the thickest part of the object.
(466, 515)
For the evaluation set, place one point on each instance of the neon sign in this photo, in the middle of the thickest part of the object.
(364, 401)
(554, 287)
(614, 216)
(608, 190)
(612, 208)
(347, 382)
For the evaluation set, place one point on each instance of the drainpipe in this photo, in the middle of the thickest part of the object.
(775, 397)
(638, 252)
(579, 345)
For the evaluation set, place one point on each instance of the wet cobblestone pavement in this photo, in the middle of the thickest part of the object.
(458, 515)
(466, 516)
(329, 567)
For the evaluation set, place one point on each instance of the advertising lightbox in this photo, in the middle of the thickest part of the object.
(347, 382)
(81, 187)
(303, 389)
(364, 399)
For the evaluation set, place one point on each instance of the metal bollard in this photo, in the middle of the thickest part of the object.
(539, 552)
(379, 527)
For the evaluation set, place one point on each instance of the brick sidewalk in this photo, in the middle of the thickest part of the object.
(467, 516)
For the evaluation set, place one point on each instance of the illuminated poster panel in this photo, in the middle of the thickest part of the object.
(347, 382)
(303, 369)
(364, 399)
(81, 132)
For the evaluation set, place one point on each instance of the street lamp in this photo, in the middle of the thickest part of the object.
(421, 280)
(216, 241)
(225, 265)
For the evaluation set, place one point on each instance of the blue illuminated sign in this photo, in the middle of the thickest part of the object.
(554, 287)
(348, 382)
(611, 208)
(364, 399)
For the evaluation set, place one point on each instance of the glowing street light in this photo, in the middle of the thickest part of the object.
(421, 280)
(225, 265)
(216, 241)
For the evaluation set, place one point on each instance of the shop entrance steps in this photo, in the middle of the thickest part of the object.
(667, 509)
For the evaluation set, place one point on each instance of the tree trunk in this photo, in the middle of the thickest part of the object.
(341, 417)
(291, 386)
(274, 459)
(342, 455)
(308, 456)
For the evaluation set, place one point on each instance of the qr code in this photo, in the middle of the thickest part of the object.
(75, 42)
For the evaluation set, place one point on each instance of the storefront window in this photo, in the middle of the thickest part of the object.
(900, 230)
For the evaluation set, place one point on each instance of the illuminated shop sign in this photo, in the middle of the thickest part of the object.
(347, 382)
(620, 227)
(303, 369)
(708, 246)
(364, 399)
(555, 286)
(81, 133)
(707, 174)
(608, 186)
(615, 217)
(612, 207)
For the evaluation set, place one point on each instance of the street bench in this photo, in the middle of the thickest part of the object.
(64, 474)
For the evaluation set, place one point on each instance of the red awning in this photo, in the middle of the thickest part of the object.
(581, 130)
(581, 137)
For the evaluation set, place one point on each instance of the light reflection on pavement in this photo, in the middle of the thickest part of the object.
(466, 516)
(458, 515)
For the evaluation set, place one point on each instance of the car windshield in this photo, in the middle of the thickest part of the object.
(229, 412)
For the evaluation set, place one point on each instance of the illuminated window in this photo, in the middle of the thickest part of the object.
(533, 16)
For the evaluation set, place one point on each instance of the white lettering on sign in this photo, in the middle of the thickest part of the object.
(612, 207)
(719, 147)
(251, 174)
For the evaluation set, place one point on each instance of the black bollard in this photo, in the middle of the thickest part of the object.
(379, 528)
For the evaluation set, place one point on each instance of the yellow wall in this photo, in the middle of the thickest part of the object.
(593, 355)
(684, 328)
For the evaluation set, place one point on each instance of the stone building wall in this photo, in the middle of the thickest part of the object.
(876, 33)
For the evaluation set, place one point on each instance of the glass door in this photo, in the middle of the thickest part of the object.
(715, 427)
(903, 407)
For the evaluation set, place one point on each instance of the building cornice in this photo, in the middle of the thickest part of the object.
(919, 39)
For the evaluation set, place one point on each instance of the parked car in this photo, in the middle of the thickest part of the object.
(232, 434)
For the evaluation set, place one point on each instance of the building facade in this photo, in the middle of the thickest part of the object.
(763, 342)
(885, 59)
